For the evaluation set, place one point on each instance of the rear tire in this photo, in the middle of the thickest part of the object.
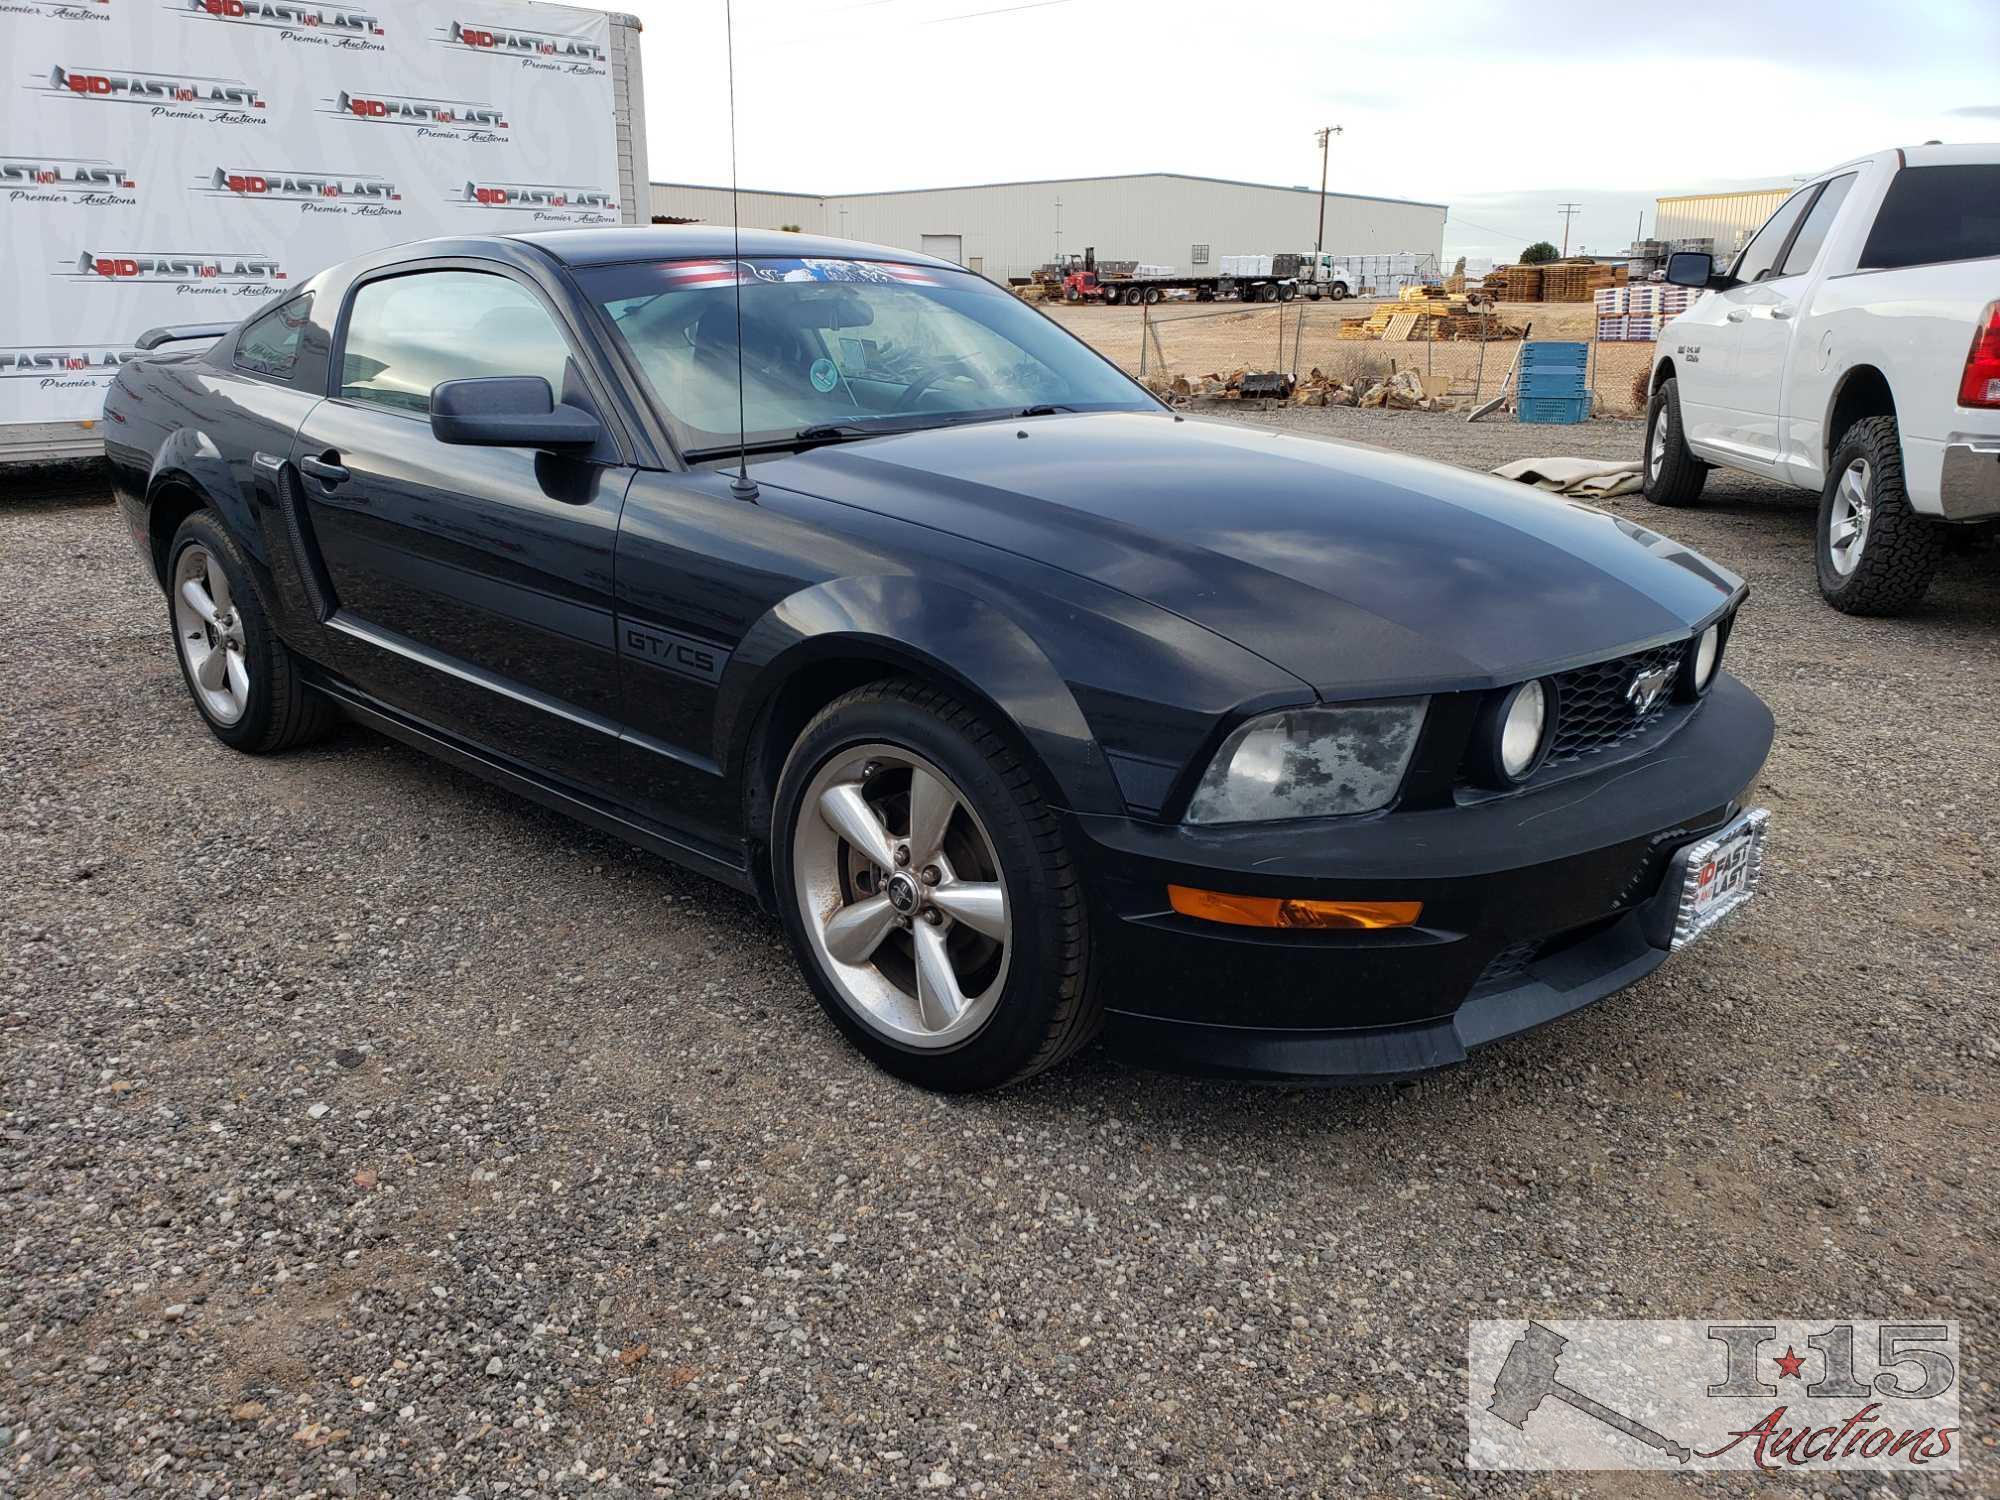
(1019, 969)
(1674, 476)
(244, 680)
(1876, 556)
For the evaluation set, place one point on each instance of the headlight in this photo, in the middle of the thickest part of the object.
(1698, 667)
(1311, 763)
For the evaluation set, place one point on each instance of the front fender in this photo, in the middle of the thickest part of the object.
(938, 630)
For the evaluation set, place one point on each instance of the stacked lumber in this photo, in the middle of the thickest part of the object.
(1577, 280)
(1521, 284)
(1426, 316)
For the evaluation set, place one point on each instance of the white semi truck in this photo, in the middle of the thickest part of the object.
(175, 162)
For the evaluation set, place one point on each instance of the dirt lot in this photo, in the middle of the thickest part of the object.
(365, 1131)
(1199, 338)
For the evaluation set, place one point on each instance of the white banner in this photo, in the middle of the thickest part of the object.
(180, 161)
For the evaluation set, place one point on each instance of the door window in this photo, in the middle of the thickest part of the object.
(270, 345)
(1759, 260)
(408, 334)
(1813, 230)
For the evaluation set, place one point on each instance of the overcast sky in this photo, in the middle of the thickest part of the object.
(1500, 108)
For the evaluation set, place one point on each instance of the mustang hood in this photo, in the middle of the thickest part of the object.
(1363, 572)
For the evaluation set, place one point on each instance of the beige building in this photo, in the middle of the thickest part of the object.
(1006, 229)
(1727, 218)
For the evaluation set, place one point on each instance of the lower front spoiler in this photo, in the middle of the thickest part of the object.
(1566, 981)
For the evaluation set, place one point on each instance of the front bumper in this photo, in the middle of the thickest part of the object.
(1534, 905)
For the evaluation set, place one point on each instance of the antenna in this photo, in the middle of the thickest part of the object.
(742, 486)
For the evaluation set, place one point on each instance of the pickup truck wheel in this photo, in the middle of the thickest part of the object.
(928, 892)
(241, 676)
(1876, 555)
(1674, 476)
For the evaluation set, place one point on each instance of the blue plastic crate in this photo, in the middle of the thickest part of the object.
(1556, 382)
(1554, 354)
(1553, 409)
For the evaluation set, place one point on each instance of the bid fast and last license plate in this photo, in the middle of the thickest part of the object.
(1719, 874)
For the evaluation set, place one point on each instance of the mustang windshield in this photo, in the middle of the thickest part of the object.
(851, 346)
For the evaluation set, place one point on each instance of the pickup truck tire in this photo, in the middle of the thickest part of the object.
(1887, 565)
(261, 703)
(1674, 476)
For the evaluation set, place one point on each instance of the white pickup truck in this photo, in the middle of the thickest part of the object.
(1853, 348)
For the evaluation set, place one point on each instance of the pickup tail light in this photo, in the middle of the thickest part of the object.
(1981, 384)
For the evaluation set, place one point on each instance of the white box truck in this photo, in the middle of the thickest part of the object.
(177, 161)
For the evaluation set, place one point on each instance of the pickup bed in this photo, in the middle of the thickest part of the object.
(1852, 348)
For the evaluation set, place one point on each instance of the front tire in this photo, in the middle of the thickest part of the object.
(1876, 555)
(1674, 476)
(928, 892)
(244, 680)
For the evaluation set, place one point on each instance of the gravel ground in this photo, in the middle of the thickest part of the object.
(364, 1131)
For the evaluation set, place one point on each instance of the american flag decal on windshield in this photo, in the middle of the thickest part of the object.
(704, 273)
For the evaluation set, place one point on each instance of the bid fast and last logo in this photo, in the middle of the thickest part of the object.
(88, 182)
(544, 201)
(359, 194)
(432, 119)
(313, 25)
(176, 96)
(544, 50)
(63, 366)
(189, 273)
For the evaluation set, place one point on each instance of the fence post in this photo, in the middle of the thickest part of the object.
(1145, 333)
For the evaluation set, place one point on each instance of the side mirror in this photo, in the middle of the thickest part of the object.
(1696, 268)
(508, 411)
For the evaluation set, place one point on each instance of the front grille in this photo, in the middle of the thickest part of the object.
(1593, 711)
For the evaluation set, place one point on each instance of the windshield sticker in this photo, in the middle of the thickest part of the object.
(697, 273)
(824, 376)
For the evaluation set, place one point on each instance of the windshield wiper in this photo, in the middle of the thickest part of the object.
(1042, 411)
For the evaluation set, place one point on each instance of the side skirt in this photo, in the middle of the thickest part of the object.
(492, 767)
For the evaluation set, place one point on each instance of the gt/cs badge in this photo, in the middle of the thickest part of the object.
(682, 655)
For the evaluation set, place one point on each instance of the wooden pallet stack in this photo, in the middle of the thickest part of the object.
(1577, 280)
(1521, 284)
(1425, 316)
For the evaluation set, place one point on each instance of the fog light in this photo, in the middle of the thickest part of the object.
(1282, 911)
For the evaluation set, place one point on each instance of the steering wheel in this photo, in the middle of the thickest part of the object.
(944, 367)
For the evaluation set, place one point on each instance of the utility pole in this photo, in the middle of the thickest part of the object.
(1324, 135)
(1568, 211)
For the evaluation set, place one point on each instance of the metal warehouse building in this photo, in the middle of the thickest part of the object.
(1727, 218)
(1005, 229)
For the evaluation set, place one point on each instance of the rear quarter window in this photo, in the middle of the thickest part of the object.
(1933, 214)
(270, 345)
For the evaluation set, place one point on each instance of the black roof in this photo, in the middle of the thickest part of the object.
(609, 244)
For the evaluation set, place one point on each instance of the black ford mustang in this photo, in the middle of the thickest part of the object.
(1028, 705)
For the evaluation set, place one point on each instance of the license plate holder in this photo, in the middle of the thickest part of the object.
(1718, 874)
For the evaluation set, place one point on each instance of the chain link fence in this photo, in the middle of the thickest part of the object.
(1168, 340)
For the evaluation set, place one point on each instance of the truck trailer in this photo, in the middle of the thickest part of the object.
(366, 125)
(1248, 278)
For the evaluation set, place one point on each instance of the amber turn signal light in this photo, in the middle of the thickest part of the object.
(1279, 911)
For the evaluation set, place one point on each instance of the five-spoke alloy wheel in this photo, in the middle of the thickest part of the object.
(900, 888)
(210, 635)
(928, 891)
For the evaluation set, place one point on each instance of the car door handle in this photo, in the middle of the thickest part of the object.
(1737, 317)
(1781, 312)
(324, 471)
